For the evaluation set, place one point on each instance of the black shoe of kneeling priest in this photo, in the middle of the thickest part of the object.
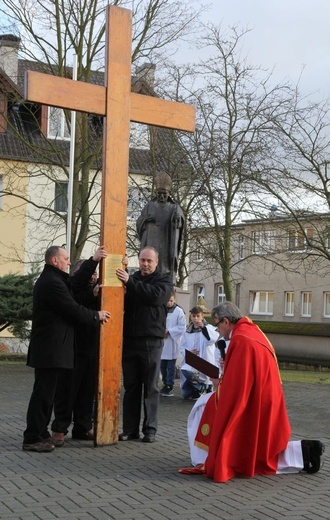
(312, 453)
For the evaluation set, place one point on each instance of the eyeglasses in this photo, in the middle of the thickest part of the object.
(218, 323)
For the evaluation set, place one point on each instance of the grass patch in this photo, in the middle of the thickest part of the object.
(11, 362)
(305, 376)
(287, 376)
(12, 359)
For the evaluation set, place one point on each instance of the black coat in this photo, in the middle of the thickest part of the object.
(86, 336)
(145, 304)
(55, 314)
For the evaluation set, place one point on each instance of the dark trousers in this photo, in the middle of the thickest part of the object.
(141, 366)
(74, 397)
(167, 369)
(41, 404)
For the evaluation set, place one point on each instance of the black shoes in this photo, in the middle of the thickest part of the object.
(195, 395)
(166, 391)
(149, 437)
(312, 452)
(128, 436)
(39, 447)
(83, 436)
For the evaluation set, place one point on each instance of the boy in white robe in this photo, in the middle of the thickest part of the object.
(175, 327)
(199, 338)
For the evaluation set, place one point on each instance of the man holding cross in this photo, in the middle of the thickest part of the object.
(147, 293)
(51, 349)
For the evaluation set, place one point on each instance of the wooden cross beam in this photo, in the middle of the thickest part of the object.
(119, 106)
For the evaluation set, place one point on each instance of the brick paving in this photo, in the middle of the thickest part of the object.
(135, 481)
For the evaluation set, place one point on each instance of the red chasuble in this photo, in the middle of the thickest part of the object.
(245, 426)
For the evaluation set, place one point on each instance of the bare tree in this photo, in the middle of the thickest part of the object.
(52, 31)
(234, 101)
(296, 176)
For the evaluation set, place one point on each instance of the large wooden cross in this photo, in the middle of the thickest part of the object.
(119, 105)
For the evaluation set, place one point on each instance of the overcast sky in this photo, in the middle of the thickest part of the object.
(286, 34)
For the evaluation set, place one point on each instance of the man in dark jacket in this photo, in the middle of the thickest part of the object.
(51, 349)
(76, 389)
(147, 293)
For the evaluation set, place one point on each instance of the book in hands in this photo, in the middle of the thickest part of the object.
(201, 365)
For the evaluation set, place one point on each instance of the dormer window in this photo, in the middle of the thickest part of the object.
(57, 127)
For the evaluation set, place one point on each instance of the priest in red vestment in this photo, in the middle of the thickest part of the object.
(245, 425)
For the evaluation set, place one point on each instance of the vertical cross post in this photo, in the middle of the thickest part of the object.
(114, 216)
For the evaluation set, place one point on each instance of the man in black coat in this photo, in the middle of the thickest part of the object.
(76, 390)
(147, 293)
(51, 349)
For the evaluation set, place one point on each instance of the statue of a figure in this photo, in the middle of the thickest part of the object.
(160, 225)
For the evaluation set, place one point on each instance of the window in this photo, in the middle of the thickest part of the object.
(57, 125)
(199, 294)
(238, 294)
(298, 239)
(306, 304)
(200, 291)
(198, 254)
(1, 191)
(327, 238)
(219, 294)
(292, 234)
(263, 241)
(61, 196)
(261, 302)
(289, 304)
(240, 247)
(326, 305)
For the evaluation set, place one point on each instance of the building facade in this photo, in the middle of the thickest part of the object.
(280, 279)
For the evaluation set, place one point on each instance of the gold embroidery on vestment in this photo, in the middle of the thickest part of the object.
(205, 429)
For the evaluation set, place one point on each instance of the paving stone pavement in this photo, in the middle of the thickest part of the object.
(135, 481)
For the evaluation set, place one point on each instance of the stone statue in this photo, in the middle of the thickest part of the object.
(160, 225)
